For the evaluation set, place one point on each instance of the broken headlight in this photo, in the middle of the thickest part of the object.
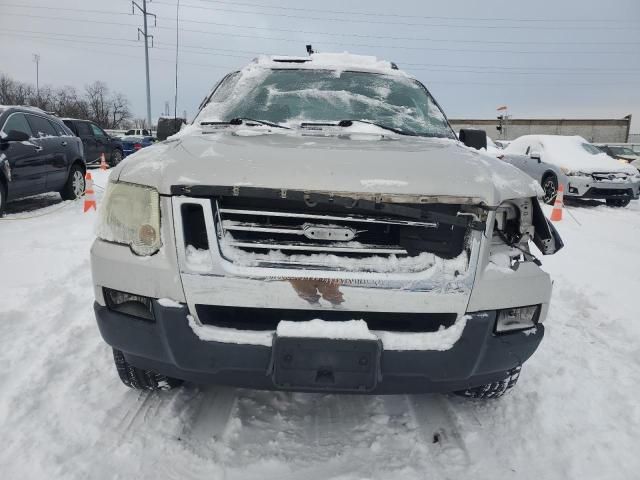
(520, 318)
(130, 214)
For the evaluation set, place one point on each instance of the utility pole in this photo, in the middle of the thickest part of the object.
(36, 59)
(175, 99)
(146, 36)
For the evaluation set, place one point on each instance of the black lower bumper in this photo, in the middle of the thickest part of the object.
(609, 194)
(169, 346)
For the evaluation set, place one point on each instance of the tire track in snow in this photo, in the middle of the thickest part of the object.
(440, 430)
(209, 422)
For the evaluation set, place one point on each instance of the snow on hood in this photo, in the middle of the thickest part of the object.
(291, 160)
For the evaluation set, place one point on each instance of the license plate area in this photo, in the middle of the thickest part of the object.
(322, 364)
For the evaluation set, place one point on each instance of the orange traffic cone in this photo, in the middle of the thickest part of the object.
(556, 213)
(89, 199)
(103, 162)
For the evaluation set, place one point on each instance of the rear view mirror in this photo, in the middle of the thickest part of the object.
(535, 155)
(14, 136)
(474, 138)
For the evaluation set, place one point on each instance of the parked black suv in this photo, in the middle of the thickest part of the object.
(96, 142)
(38, 154)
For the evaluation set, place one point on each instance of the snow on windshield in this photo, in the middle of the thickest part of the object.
(293, 96)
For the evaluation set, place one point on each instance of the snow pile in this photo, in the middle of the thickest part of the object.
(211, 333)
(198, 260)
(443, 339)
(380, 182)
(317, 328)
(375, 263)
(331, 61)
(169, 303)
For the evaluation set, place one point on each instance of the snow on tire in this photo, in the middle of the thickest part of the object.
(140, 379)
(493, 389)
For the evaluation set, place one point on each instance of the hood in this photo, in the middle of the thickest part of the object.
(588, 163)
(354, 163)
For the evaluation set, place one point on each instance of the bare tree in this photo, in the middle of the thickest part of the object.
(96, 103)
(96, 95)
(119, 110)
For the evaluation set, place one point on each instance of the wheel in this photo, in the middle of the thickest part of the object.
(116, 158)
(550, 187)
(494, 389)
(3, 198)
(618, 202)
(74, 187)
(140, 379)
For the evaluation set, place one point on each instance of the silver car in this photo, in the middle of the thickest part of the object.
(319, 227)
(583, 169)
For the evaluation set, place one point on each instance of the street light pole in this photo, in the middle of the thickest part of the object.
(36, 59)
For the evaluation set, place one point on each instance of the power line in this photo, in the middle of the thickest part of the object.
(428, 82)
(111, 52)
(428, 17)
(411, 47)
(339, 34)
(406, 24)
(394, 47)
(434, 67)
(411, 39)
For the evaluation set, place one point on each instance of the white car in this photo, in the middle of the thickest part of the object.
(591, 173)
(319, 227)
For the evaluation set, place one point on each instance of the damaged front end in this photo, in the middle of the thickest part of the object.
(270, 254)
(251, 257)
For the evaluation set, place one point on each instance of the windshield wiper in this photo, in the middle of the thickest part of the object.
(243, 121)
(249, 121)
(348, 123)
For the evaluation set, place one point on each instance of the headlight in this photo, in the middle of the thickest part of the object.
(512, 319)
(128, 303)
(574, 173)
(130, 214)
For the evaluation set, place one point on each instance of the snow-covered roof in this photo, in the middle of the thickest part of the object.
(330, 61)
(24, 107)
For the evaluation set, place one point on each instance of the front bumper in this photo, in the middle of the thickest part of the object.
(169, 346)
(588, 187)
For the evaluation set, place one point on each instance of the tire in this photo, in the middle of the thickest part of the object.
(550, 186)
(3, 197)
(140, 379)
(75, 185)
(618, 202)
(116, 158)
(494, 389)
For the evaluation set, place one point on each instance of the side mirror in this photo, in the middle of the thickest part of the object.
(535, 155)
(474, 138)
(14, 136)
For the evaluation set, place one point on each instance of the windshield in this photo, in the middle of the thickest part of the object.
(291, 97)
(592, 149)
(622, 151)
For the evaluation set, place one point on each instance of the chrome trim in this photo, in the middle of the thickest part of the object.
(319, 248)
(351, 218)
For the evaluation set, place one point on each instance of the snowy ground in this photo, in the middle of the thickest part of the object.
(63, 413)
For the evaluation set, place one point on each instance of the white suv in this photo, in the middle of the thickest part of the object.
(319, 227)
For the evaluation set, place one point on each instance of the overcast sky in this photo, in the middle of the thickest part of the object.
(542, 58)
